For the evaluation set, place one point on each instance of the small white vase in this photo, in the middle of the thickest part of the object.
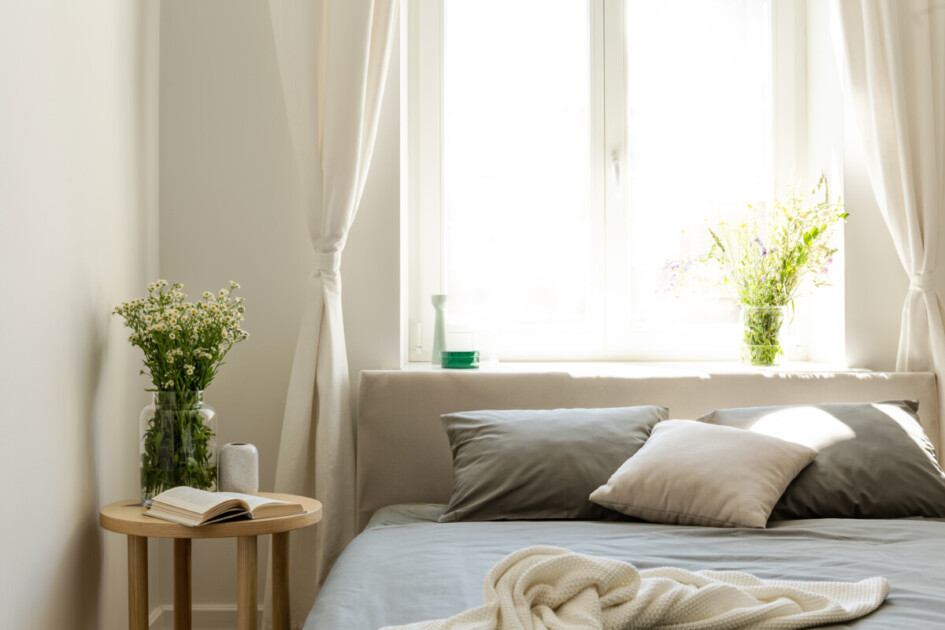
(439, 328)
(239, 468)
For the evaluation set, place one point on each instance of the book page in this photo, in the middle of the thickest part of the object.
(251, 500)
(192, 499)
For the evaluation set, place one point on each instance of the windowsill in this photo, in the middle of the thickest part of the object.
(644, 368)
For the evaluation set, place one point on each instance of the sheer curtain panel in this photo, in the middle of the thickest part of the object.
(895, 53)
(333, 57)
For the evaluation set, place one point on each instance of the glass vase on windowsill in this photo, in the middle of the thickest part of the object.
(761, 335)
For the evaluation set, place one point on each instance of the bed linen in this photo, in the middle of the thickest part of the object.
(405, 567)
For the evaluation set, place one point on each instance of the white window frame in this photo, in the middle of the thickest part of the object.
(422, 137)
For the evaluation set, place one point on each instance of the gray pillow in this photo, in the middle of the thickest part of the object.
(874, 459)
(693, 473)
(539, 464)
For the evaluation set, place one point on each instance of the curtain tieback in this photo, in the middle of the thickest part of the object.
(326, 261)
(921, 282)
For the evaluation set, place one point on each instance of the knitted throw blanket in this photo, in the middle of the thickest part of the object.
(548, 588)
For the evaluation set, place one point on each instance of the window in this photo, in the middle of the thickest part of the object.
(560, 152)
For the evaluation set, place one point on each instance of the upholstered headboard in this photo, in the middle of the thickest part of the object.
(404, 455)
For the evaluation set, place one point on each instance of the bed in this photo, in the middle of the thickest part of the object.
(408, 566)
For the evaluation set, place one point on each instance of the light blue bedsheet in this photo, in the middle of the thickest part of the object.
(406, 567)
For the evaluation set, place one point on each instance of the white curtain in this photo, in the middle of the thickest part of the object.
(895, 52)
(333, 57)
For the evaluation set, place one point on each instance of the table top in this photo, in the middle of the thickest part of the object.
(128, 517)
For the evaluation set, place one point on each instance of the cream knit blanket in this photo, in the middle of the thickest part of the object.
(548, 588)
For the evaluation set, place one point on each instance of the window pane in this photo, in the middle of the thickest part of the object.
(516, 161)
(698, 119)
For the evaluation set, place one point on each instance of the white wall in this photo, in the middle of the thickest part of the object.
(77, 212)
(226, 213)
(229, 210)
(874, 284)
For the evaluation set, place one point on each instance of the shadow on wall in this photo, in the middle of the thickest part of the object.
(81, 560)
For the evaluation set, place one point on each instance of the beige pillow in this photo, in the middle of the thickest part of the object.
(692, 473)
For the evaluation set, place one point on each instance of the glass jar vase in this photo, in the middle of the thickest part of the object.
(761, 332)
(178, 445)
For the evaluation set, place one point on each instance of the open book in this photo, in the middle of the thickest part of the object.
(190, 506)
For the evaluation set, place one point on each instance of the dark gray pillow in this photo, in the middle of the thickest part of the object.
(874, 460)
(539, 464)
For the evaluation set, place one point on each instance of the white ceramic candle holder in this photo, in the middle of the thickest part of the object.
(239, 468)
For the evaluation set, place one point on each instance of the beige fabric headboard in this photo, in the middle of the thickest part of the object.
(404, 455)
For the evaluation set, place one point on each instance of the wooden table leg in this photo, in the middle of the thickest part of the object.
(182, 584)
(246, 583)
(280, 581)
(137, 582)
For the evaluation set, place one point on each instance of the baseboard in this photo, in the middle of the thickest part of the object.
(204, 616)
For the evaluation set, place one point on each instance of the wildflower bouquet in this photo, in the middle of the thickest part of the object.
(184, 345)
(768, 259)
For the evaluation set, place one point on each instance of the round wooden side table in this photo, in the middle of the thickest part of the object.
(127, 517)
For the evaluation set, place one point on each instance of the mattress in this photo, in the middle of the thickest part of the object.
(407, 567)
